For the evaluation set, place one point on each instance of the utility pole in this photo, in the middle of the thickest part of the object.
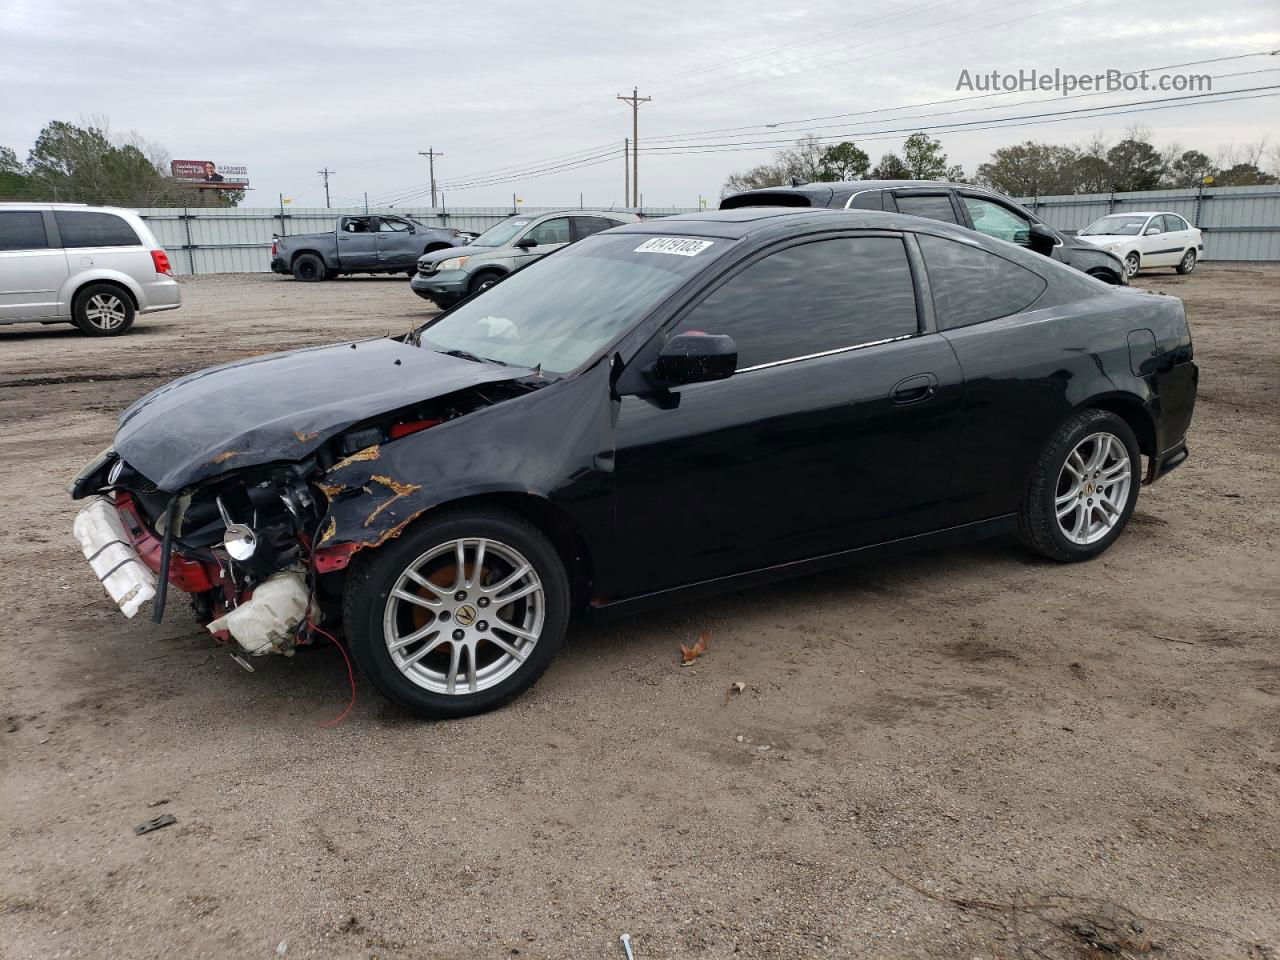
(635, 100)
(326, 173)
(366, 203)
(431, 153)
(626, 171)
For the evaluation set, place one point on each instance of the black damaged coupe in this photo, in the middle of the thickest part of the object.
(684, 405)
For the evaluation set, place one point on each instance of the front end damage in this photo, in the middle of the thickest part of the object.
(262, 550)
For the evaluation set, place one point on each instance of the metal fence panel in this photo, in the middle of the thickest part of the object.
(1239, 223)
(238, 239)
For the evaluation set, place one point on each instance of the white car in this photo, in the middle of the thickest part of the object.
(1145, 239)
(96, 267)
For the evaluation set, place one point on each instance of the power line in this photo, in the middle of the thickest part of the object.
(993, 124)
(930, 103)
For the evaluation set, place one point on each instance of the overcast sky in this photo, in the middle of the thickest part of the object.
(288, 88)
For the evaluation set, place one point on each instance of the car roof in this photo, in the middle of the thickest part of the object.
(741, 222)
(838, 192)
(1139, 213)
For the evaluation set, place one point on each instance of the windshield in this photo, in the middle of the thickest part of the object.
(1120, 225)
(500, 233)
(563, 309)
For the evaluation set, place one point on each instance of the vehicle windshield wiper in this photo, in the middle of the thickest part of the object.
(466, 355)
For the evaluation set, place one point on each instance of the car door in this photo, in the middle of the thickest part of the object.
(932, 203)
(837, 430)
(397, 244)
(32, 270)
(549, 235)
(100, 240)
(1152, 243)
(357, 243)
(1180, 235)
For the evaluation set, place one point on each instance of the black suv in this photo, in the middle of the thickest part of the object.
(959, 203)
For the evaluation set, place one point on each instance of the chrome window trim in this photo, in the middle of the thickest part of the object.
(825, 353)
(848, 202)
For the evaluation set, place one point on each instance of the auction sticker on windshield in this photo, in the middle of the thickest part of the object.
(679, 246)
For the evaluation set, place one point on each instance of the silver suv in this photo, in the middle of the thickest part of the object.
(447, 276)
(96, 267)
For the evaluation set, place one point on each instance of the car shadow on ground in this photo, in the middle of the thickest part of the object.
(317, 679)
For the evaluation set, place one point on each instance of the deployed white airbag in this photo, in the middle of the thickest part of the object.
(269, 619)
(107, 546)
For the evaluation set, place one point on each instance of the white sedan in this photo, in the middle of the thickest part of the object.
(1147, 239)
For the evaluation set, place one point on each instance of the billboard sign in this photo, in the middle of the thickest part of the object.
(209, 175)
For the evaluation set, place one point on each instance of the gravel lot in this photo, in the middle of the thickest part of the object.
(967, 753)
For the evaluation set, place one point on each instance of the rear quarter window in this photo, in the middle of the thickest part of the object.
(82, 228)
(970, 285)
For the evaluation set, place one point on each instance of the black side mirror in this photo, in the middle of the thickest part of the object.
(696, 358)
(1041, 239)
(524, 243)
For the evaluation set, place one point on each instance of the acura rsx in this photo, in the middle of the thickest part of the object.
(678, 406)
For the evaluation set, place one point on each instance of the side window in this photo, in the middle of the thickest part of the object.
(586, 226)
(867, 200)
(997, 220)
(355, 225)
(22, 230)
(934, 206)
(811, 298)
(971, 286)
(84, 229)
(392, 226)
(1175, 222)
(551, 231)
(1154, 225)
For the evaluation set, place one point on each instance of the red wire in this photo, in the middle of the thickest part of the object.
(351, 677)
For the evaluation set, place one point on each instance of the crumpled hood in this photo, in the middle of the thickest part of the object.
(282, 406)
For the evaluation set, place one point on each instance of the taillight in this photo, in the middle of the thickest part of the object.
(161, 260)
(398, 430)
(275, 246)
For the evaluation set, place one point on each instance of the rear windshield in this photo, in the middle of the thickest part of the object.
(562, 310)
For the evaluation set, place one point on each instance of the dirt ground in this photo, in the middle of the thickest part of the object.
(967, 753)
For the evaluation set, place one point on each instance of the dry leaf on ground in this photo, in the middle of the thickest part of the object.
(690, 653)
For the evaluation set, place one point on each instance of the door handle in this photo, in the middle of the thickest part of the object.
(914, 389)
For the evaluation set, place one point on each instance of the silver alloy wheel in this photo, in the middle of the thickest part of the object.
(1093, 488)
(464, 616)
(1131, 265)
(105, 311)
(1188, 261)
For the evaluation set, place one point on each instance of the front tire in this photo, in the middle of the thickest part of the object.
(308, 268)
(482, 281)
(103, 310)
(460, 615)
(1187, 263)
(1083, 489)
(1132, 264)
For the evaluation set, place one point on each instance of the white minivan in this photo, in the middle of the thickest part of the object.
(96, 267)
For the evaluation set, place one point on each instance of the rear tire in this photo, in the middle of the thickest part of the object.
(308, 268)
(1083, 489)
(414, 621)
(1187, 263)
(103, 310)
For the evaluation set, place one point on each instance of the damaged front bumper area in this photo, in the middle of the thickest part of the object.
(238, 545)
(261, 550)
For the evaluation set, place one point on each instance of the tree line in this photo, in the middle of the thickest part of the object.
(1031, 168)
(86, 163)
